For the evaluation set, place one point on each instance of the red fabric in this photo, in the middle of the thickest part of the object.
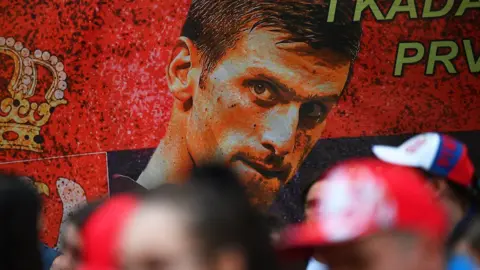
(101, 233)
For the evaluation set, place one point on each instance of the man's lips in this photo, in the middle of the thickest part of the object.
(268, 171)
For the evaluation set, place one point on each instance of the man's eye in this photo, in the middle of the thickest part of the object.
(313, 110)
(262, 90)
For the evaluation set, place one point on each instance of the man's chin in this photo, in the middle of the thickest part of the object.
(261, 190)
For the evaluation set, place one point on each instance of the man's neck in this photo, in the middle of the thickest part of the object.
(171, 160)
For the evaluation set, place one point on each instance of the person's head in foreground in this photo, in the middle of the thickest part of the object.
(20, 209)
(100, 234)
(72, 242)
(447, 166)
(253, 81)
(196, 226)
(372, 216)
(309, 198)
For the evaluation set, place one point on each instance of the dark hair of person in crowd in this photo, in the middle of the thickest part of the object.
(80, 217)
(305, 190)
(71, 242)
(471, 239)
(275, 224)
(466, 197)
(20, 209)
(469, 201)
(222, 216)
(216, 25)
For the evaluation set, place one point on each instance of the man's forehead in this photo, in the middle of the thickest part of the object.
(262, 53)
(319, 57)
(282, 40)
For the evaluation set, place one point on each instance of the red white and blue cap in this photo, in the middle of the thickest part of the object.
(362, 197)
(437, 154)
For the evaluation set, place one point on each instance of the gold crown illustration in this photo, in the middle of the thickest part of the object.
(20, 119)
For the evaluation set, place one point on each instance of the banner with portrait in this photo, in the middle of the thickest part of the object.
(101, 96)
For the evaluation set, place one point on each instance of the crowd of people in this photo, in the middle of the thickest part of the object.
(412, 207)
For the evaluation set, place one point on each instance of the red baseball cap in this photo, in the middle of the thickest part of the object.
(361, 197)
(100, 234)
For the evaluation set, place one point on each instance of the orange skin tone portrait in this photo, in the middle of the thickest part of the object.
(261, 109)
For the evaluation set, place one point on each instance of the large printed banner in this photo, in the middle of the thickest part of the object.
(93, 92)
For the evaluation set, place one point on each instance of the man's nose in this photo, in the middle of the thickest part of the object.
(280, 129)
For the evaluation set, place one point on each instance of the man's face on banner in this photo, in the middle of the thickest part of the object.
(263, 107)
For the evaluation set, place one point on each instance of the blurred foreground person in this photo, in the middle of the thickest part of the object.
(372, 216)
(310, 202)
(101, 233)
(72, 241)
(446, 164)
(205, 224)
(48, 255)
(20, 208)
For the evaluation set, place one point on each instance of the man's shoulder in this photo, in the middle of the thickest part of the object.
(122, 183)
(125, 167)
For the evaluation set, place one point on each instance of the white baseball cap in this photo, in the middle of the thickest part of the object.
(437, 154)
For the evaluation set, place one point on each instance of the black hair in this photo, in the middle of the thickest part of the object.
(472, 235)
(20, 209)
(274, 222)
(467, 197)
(81, 216)
(215, 26)
(221, 214)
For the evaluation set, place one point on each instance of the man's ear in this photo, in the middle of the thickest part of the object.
(183, 70)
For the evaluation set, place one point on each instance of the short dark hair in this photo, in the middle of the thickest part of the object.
(222, 216)
(81, 216)
(466, 196)
(472, 234)
(214, 26)
(274, 222)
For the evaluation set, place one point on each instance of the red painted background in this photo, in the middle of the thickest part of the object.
(90, 171)
(115, 54)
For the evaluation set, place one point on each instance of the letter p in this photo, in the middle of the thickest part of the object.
(403, 59)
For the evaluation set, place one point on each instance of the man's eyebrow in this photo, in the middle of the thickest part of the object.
(290, 92)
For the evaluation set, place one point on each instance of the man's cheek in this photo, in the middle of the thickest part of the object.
(242, 118)
(314, 134)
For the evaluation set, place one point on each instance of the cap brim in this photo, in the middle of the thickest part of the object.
(300, 240)
(394, 155)
(304, 235)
